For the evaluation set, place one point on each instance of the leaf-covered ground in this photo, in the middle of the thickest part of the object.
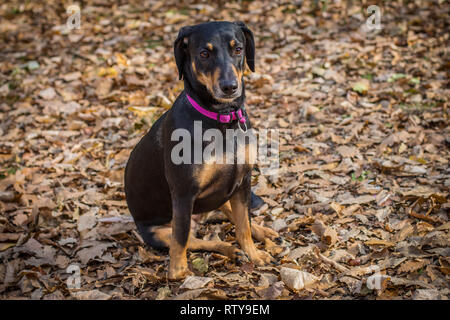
(361, 198)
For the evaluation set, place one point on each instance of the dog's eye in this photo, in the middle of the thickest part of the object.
(204, 54)
(238, 50)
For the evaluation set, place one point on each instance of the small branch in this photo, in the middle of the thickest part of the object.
(335, 264)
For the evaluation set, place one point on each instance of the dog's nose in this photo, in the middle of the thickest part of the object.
(228, 86)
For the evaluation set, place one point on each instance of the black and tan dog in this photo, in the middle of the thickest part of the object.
(211, 58)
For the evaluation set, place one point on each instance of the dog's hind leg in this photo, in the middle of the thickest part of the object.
(258, 232)
(221, 247)
(256, 202)
(160, 237)
(155, 236)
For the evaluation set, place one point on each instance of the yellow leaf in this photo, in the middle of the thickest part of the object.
(403, 147)
(121, 59)
(420, 160)
(107, 72)
(6, 245)
(144, 111)
(376, 242)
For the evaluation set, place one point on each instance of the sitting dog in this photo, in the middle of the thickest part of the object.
(162, 194)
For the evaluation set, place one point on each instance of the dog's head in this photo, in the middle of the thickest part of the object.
(213, 55)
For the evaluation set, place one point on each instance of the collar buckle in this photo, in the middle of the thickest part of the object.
(225, 116)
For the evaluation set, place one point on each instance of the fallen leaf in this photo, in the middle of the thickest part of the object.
(200, 264)
(427, 294)
(296, 279)
(327, 234)
(163, 293)
(411, 266)
(90, 295)
(361, 86)
(86, 221)
(47, 94)
(347, 151)
(194, 282)
(377, 242)
(87, 254)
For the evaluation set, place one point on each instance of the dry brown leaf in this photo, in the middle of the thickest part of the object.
(90, 295)
(296, 279)
(378, 242)
(411, 266)
(194, 282)
(327, 234)
(272, 248)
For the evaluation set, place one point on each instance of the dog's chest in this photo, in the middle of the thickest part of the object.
(234, 153)
(218, 182)
(221, 173)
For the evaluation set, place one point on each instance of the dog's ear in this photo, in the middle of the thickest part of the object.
(180, 48)
(249, 44)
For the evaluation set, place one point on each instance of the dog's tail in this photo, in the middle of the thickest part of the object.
(150, 237)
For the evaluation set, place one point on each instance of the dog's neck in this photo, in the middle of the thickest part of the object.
(200, 94)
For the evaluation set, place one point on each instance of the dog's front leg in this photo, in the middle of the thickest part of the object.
(240, 203)
(181, 224)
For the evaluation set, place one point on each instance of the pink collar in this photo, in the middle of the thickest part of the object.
(223, 118)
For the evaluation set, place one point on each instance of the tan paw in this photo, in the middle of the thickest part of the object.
(178, 273)
(260, 233)
(260, 257)
(235, 254)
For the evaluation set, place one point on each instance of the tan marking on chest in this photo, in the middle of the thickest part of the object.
(205, 175)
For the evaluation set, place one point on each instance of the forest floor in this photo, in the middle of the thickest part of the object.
(361, 195)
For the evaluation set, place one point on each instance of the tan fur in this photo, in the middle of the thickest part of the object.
(204, 176)
(209, 46)
(258, 232)
(238, 74)
(178, 261)
(236, 211)
(223, 99)
(240, 219)
(208, 80)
